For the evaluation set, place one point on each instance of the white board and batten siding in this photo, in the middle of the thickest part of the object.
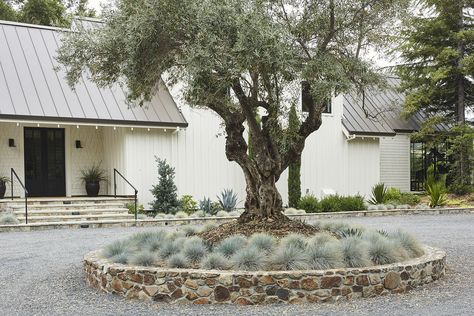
(395, 161)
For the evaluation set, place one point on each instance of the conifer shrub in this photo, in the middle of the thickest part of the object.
(165, 192)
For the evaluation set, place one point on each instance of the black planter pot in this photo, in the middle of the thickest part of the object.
(92, 189)
(3, 188)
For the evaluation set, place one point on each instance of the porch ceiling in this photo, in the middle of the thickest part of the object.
(32, 90)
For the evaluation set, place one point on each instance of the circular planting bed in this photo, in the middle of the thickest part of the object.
(198, 286)
(263, 262)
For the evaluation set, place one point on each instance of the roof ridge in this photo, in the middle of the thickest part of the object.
(34, 26)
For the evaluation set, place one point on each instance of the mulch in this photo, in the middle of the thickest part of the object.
(275, 228)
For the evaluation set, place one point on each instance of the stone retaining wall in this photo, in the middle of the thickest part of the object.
(248, 288)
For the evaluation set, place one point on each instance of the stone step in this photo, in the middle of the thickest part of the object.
(65, 201)
(75, 218)
(68, 206)
(45, 212)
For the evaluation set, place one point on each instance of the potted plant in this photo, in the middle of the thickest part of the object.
(3, 186)
(92, 177)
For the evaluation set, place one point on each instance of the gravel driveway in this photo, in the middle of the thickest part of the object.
(41, 274)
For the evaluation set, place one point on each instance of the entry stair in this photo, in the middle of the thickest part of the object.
(70, 210)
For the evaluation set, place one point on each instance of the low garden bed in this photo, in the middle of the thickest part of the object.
(324, 263)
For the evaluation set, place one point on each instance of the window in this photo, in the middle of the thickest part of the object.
(421, 158)
(307, 99)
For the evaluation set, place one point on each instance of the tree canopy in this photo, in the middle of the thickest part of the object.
(238, 58)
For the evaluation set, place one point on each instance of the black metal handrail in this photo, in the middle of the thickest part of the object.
(13, 173)
(128, 182)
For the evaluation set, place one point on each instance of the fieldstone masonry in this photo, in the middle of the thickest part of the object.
(263, 287)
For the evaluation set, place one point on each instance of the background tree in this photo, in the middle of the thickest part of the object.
(437, 74)
(259, 50)
(44, 12)
(294, 169)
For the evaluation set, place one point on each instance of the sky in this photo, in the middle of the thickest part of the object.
(95, 4)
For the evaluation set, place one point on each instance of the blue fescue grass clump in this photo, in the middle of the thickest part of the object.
(189, 230)
(179, 261)
(409, 243)
(169, 248)
(215, 261)
(116, 248)
(296, 240)
(194, 249)
(249, 259)
(326, 255)
(262, 241)
(123, 258)
(143, 258)
(321, 238)
(383, 251)
(289, 257)
(355, 252)
(207, 227)
(229, 246)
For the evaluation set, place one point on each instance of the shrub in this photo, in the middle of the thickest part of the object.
(166, 198)
(392, 195)
(178, 261)
(352, 203)
(296, 240)
(187, 204)
(143, 258)
(229, 246)
(327, 255)
(222, 214)
(289, 257)
(194, 249)
(409, 243)
(228, 200)
(8, 219)
(409, 198)
(209, 207)
(461, 189)
(354, 252)
(181, 214)
(131, 208)
(249, 259)
(215, 261)
(379, 194)
(330, 203)
(116, 248)
(262, 242)
(309, 203)
(437, 194)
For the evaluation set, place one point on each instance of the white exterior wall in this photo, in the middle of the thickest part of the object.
(395, 161)
(12, 157)
(329, 161)
(114, 157)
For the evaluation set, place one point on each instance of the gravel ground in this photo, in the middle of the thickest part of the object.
(41, 274)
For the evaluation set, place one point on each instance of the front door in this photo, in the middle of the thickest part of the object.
(45, 161)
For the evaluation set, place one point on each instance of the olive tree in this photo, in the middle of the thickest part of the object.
(239, 58)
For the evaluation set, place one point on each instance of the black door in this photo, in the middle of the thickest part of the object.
(45, 161)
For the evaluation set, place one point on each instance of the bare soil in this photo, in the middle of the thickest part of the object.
(274, 228)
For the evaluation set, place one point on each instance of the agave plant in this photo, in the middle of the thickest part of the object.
(228, 200)
(437, 193)
(209, 207)
(379, 194)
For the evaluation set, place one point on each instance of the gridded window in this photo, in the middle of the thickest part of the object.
(307, 99)
(421, 158)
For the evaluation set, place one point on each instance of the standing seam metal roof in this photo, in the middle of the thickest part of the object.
(384, 108)
(31, 89)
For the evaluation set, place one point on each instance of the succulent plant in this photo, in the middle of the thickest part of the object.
(228, 200)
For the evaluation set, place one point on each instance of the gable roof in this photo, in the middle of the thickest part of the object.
(384, 109)
(32, 90)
